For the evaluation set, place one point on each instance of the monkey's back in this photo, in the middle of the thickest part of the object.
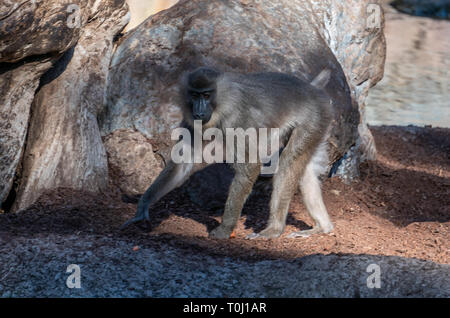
(269, 99)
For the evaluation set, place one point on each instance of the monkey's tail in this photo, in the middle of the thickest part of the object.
(321, 80)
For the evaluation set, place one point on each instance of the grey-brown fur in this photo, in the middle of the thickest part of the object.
(261, 100)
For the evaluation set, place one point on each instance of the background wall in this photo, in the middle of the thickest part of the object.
(141, 9)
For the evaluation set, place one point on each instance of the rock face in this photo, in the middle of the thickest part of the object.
(357, 40)
(132, 161)
(298, 37)
(64, 148)
(115, 270)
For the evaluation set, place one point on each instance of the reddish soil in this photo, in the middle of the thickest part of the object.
(400, 207)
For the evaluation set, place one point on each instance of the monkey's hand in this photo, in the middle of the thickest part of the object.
(141, 215)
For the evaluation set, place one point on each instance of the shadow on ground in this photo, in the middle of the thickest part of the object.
(396, 217)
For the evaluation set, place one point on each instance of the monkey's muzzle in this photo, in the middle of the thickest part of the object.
(202, 110)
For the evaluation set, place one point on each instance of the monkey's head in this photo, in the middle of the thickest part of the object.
(201, 93)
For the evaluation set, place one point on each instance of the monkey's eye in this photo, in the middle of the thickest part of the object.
(206, 95)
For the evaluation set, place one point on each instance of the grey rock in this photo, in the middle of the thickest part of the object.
(132, 161)
(354, 31)
(116, 271)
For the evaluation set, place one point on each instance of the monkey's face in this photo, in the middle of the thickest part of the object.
(202, 104)
(201, 93)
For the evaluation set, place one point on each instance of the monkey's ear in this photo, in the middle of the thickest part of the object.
(321, 80)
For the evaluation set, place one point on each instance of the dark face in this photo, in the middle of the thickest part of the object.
(201, 93)
(202, 104)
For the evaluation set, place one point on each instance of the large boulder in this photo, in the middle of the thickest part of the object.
(132, 160)
(298, 37)
(64, 147)
(354, 32)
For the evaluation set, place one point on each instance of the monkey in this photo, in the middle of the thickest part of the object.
(302, 112)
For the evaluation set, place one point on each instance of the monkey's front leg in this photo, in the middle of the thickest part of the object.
(170, 178)
(240, 188)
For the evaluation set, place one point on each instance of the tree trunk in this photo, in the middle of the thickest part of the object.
(64, 147)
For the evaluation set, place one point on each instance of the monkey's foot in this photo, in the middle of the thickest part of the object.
(221, 232)
(268, 233)
(308, 233)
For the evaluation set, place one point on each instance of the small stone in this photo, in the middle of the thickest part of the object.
(336, 192)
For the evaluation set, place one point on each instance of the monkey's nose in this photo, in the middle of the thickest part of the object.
(199, 116)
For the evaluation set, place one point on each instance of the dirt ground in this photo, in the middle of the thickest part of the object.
(401, 207)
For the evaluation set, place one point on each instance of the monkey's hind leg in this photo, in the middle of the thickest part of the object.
(312, 197)
(240, 188)
(293, 161)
